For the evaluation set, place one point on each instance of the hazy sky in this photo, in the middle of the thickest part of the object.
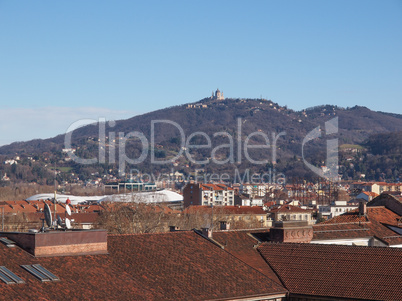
(61, 61)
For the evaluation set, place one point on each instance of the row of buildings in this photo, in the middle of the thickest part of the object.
(354, 256)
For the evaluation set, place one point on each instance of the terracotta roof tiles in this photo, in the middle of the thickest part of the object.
(289, 208)
(171, 266)
(343, 272)
(227, 209)
(242, 244)
(215, 187)
(353, 225)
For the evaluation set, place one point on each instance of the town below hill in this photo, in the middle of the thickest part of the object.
(369, 145)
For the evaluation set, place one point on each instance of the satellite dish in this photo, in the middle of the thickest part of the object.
(68, 210)
(48, 215)
(68, 223)
(59, 221)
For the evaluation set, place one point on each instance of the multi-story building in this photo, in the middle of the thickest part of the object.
(377, 187)
(208, 194)
(336, 208)
(291, 213)
(256, 190)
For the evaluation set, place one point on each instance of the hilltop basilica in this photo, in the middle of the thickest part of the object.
(218, 95)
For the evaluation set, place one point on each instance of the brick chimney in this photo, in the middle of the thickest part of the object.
(207, 232)
(291, 231)
(362, 208)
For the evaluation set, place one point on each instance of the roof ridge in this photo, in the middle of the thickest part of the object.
(242, 261)
(154, 233)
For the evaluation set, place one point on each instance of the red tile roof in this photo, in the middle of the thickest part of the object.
(289, 208)
(215, 187)
(353, 225)
(24, 206)
(241, 244)
(344, 272)
(170, 266)
(368, 193)
(227, 209)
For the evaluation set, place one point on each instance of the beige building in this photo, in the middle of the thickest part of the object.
(291, 213)
(208, 194)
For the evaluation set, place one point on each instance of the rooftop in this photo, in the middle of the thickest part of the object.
(170, 266)
(215, 187)
(242, 244)
(344, 272)
(289, 208)
(352, 225)
(226, 209)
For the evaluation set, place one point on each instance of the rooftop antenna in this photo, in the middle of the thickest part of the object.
(55, 193)
(55, 201)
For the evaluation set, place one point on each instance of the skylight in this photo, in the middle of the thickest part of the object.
(9, 277)
(9, 243)
(40, 272)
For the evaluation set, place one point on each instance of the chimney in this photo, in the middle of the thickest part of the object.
(362, 208)
(291, 231)
(174, 228)
(224, 225)
(207, 232)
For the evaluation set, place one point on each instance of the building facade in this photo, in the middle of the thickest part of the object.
(208, 195)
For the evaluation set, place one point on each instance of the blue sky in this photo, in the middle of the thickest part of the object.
(61, 61)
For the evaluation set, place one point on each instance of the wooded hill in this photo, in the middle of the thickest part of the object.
(238, 118)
